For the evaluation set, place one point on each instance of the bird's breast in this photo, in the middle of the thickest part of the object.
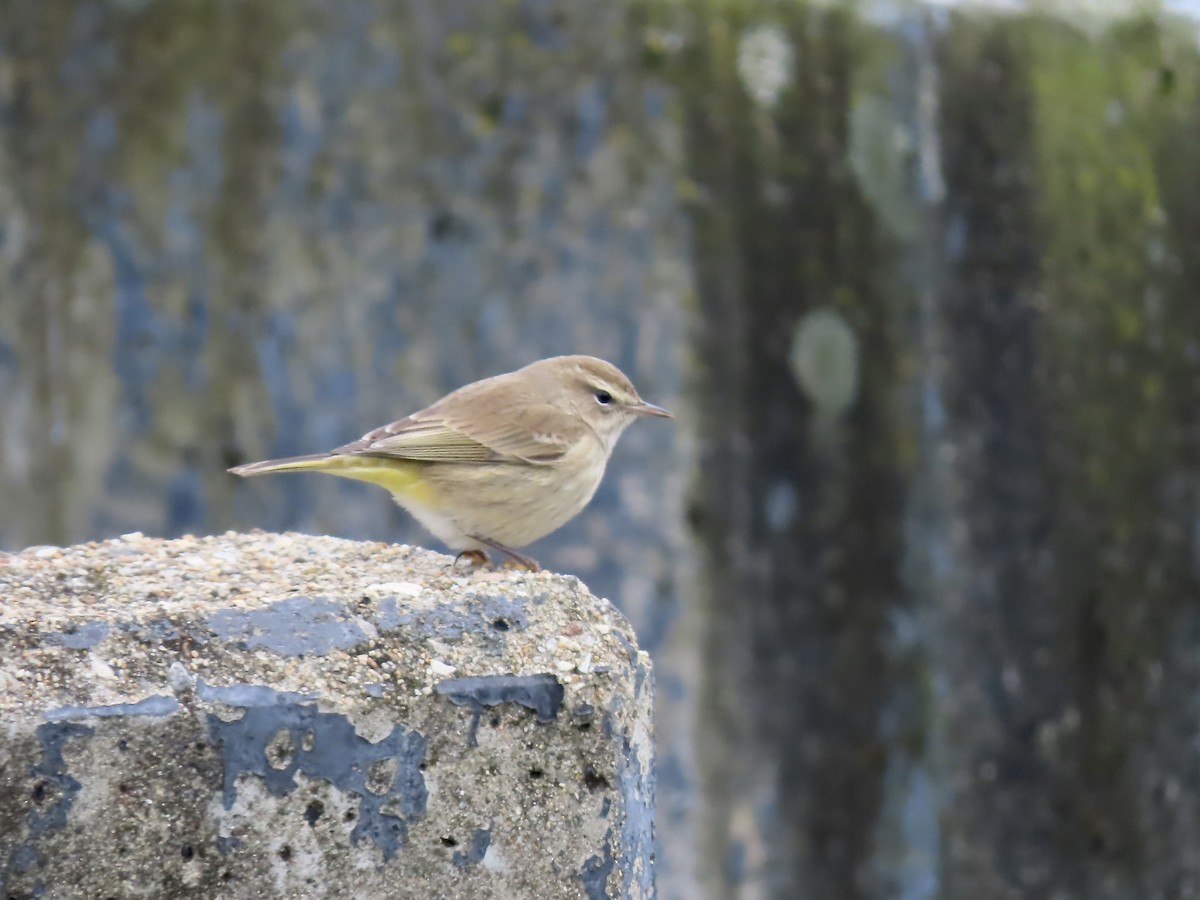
(513, 503)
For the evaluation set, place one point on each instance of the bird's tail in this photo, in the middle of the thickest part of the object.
(311, 461)
(403, 477)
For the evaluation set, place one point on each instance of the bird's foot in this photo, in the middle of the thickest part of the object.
(515, 560)
(477, 559)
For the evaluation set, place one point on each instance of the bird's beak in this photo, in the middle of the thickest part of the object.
(642, 408)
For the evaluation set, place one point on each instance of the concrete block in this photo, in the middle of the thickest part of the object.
(289, 716)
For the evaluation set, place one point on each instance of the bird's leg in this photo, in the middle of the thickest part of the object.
(477, 558)
(515, 558)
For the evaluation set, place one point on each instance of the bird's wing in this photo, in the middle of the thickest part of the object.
(537, 433)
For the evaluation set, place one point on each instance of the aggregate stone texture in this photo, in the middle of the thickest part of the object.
(280, 715)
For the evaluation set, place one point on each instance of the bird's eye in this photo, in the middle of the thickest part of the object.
(603, 397)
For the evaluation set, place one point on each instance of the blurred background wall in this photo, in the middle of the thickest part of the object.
(919, 561)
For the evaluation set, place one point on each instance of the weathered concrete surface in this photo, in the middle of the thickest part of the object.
(282, 715)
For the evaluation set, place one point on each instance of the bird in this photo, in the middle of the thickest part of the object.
(498, 463)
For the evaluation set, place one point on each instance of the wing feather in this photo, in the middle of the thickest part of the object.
(477, 423)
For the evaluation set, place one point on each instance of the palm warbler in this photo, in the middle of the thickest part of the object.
(498, 463)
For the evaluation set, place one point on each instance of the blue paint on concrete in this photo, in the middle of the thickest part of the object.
(489, 615)
(326, 746)
(52, 770)
(596, 870)
(640, 676)
(631, 653)
(24, 859)
(495, 609)
(637, 829)
(295, 626)
(248, 695)
(53, 792)
(636, 785)
(81, 637)
(479, 844)
(541, 693)
(156, 705)
(442, 621)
